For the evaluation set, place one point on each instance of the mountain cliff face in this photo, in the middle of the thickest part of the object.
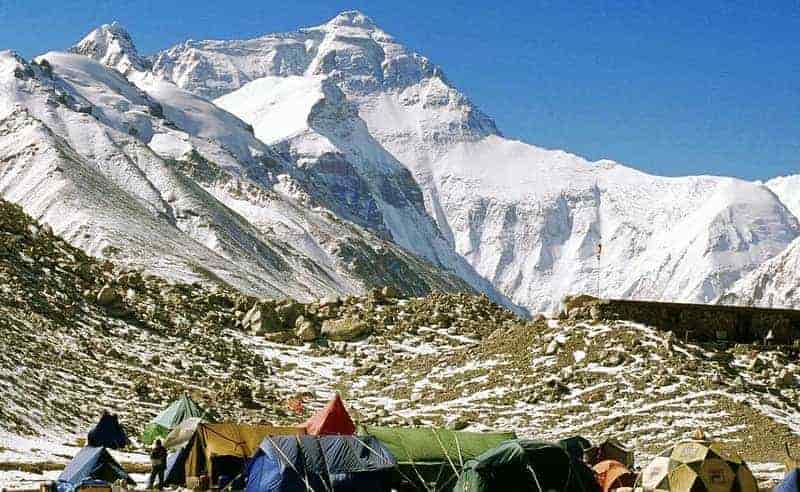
(529, 220)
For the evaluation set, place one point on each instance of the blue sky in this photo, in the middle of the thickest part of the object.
(670, 87)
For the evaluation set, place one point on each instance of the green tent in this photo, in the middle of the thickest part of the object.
(430, 459)
(181, 409)
(524, 465)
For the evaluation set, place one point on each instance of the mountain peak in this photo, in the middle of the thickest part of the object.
(352, 18)
(113, 46)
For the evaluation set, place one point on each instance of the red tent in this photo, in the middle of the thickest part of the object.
(331, 420)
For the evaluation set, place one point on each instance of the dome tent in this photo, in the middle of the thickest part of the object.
(610, 449)
(613, 475)
(320, 463)
(697, 466)
(790, 483)
(523, 465)
(181, 409)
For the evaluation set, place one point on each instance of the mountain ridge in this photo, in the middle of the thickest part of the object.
(392, 146)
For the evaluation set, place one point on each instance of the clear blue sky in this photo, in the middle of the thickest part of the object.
(670, 87)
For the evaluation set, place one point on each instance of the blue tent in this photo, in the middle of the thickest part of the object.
(108, 433)
(320, 463)
(790, 482)
(175, 474)
(91, 464)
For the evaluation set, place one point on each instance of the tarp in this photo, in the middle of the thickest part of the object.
(430, 458)
(790, 483)
(311, 464)
(524, 465)
(181, 409)
(331, 420)
(223, 448)
(181, 434)
(91, 463)
(108, 433)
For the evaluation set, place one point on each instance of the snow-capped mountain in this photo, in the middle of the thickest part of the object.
(180, 188)
(528, 219)
(333, 159)
(773, 284)
(788, 190)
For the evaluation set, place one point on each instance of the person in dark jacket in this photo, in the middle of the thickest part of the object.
(158, 461)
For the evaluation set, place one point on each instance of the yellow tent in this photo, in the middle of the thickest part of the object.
(697, 466)
(221, 449)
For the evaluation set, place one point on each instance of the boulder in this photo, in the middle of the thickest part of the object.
(306, 330)
(389, 292)
(345, 329)
(458, 424)
(262, 319)
(108, 296)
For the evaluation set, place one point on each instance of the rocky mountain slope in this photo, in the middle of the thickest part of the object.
(181, 188)
(528, 219)
(80, 335)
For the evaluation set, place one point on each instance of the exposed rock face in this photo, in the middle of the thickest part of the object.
(112, 45)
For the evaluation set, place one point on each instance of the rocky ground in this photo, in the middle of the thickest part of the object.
(79, 335)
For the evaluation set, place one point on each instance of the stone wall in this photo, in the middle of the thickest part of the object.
(698, 322)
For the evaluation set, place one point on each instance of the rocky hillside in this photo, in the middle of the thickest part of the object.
(79, 335)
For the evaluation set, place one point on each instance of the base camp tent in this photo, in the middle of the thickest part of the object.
(320, 464)
(108, 433)
(697, 466)
(175, 473)
(222, 449)
(610, 449)
(331, 420)
(181, 409)
(523, 465)
(429, 458)
(576, 446)
(613, 475)
(790, 483)
(91, 463)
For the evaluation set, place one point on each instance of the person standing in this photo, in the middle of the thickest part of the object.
(158, 462)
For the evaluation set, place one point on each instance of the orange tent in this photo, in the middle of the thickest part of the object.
(613, 475)
(331, 420)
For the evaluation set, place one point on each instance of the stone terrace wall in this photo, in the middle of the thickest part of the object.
(698, 322)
